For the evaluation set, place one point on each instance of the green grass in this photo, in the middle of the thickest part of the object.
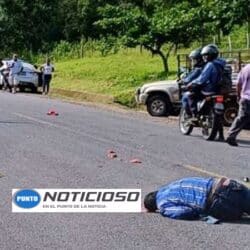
(115, 75)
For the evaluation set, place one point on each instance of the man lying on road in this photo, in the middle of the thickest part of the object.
(195, 197)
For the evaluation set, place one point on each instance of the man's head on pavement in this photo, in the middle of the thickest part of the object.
(150, 202)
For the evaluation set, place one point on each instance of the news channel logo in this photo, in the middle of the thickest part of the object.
(26, 198)
(76, 200)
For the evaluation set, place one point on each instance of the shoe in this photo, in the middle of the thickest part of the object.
(231, 142)
(222, 139)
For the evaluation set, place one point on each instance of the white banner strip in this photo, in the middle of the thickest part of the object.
(76, 200)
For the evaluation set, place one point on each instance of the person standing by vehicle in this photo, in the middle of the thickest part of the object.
(243, 94)
(47, 70)
(15, 68)
(5, 75)
(2, 69)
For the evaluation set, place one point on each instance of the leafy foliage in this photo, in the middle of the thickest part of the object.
(158, 25)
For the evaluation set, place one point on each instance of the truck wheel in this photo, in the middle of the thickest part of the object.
(158, 105)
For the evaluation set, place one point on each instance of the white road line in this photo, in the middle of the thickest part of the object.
(200, 170)
(62, 127)
(190, 167)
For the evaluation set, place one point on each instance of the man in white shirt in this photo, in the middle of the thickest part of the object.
(15, 68)
(4, 79)
(47, 70)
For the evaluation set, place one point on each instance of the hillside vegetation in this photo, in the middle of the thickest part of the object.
(70, 31)
(115, 75)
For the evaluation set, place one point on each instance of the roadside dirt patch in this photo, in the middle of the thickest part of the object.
(82, 96)
(106, 102)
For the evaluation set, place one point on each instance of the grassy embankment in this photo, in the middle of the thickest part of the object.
(110, 79)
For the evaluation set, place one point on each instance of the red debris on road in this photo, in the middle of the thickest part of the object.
(111, 154)
(52, 112)
(135, 161)
(110, 151)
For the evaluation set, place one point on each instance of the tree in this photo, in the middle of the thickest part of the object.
(226, 13)
(78, 16)
(154, 24)
(242, 15)
(28, 24)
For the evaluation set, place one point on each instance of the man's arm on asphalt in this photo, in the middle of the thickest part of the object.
(179, 212)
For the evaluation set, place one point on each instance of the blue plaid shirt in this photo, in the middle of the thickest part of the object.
(185, 198)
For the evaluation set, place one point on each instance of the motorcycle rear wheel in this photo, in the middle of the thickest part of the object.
(210, 126)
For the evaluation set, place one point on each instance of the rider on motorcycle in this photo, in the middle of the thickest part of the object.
(197, 66)
(207, 82)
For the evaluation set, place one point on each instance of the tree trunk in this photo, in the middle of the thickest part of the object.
(81, 48)
(164, 61)
(219, 36)
(141, 47)
(230, 44)
(176, 48)
(161, 54)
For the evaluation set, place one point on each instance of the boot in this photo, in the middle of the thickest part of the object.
(14, 90)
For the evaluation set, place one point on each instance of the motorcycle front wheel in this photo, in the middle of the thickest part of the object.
(185, 126)
(210, 126)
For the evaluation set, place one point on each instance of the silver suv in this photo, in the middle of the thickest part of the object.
(161, 97)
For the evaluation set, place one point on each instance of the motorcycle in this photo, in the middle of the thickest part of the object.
(209, 117)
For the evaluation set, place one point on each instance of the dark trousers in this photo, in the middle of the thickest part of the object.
(230, 202)
(241, 120)
(6, 84)
(46, 83)
(193, 99)
(220, 130)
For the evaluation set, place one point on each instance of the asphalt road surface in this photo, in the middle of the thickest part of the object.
(70, 151)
